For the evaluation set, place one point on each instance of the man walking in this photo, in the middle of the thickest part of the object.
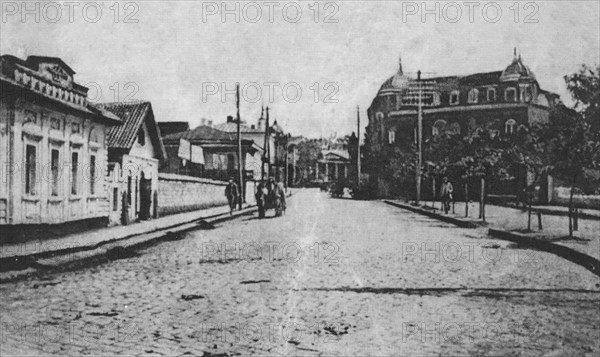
(231, 192)
(446, 194)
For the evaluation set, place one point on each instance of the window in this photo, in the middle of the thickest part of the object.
(391, 136)
(141, 137)
(115, 198)
(379, 116)
(30, 163)
(510, 95)
(74, 172)
(392, 102)
(526, 93)
(509, 126)
(454, 97)
(436, 99)
(491, 94)
(473, 96)
(438, 127)
(54, 157)
(92, 174)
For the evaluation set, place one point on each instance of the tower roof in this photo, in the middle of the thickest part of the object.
(516, 70)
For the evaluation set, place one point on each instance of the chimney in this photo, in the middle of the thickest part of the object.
(209, 122)
(229, 119)
(203, 121)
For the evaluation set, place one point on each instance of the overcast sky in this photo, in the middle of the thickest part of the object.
(178, 53)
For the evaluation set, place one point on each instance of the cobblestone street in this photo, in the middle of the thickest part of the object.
(333, 277)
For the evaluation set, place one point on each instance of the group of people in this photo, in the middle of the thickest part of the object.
(269, 190)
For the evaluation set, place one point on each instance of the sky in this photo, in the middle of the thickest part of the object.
(311, 62)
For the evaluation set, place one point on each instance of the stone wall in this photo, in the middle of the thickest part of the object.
(178, 193)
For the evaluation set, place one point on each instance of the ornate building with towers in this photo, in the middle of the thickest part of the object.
(499, 101)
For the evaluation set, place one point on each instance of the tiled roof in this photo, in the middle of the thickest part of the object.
(202, 132)
(132, 114)
(232, 128)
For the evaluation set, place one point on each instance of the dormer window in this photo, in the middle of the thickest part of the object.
(491, 94)
(454, 97)
(141, 137)
(526, 93)
(473, 96)
(510, 95)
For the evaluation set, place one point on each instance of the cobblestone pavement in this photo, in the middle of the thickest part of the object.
(332, 277)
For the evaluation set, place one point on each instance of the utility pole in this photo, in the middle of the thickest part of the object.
(239, 147)
(358, 146)
(267, 148)
(419, 137)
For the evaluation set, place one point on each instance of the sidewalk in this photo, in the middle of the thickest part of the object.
(555, 227)
(93, 239)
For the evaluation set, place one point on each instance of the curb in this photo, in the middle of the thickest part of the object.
(590, 263)
(550, 212)
(463, 223)
(19, 266)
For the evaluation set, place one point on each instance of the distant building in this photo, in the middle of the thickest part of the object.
(499, 101)
(172, 127)
(53, 146)
(208, 153)
(271, 145)
(135, 151)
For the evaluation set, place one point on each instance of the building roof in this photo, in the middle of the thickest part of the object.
(516, 71)
(232, 128)
(133, 115)
(199, 133)
(26, 76)
(34, 62)
(342, 154)
(172, 127)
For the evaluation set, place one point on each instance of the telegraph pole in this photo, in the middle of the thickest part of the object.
(267, 147)
(420, 137)
(239, 147)
(358, 146)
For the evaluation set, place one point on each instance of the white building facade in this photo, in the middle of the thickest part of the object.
(52, 145)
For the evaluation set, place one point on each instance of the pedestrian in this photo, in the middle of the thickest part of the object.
(281, 192)
(446, 193)
(231, 192)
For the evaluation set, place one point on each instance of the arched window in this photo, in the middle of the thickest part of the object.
(510, 95)
(509, 126)
(491, 94)
(454, 95)
(438, 127)
(379, 116)
(473, 96)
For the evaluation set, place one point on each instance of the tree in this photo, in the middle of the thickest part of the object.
(528, 148)
(574, 138)
(482, 157)
(308, 154)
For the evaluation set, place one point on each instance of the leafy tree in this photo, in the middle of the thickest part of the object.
(309, 152)
(528, 147)
(574, 135)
